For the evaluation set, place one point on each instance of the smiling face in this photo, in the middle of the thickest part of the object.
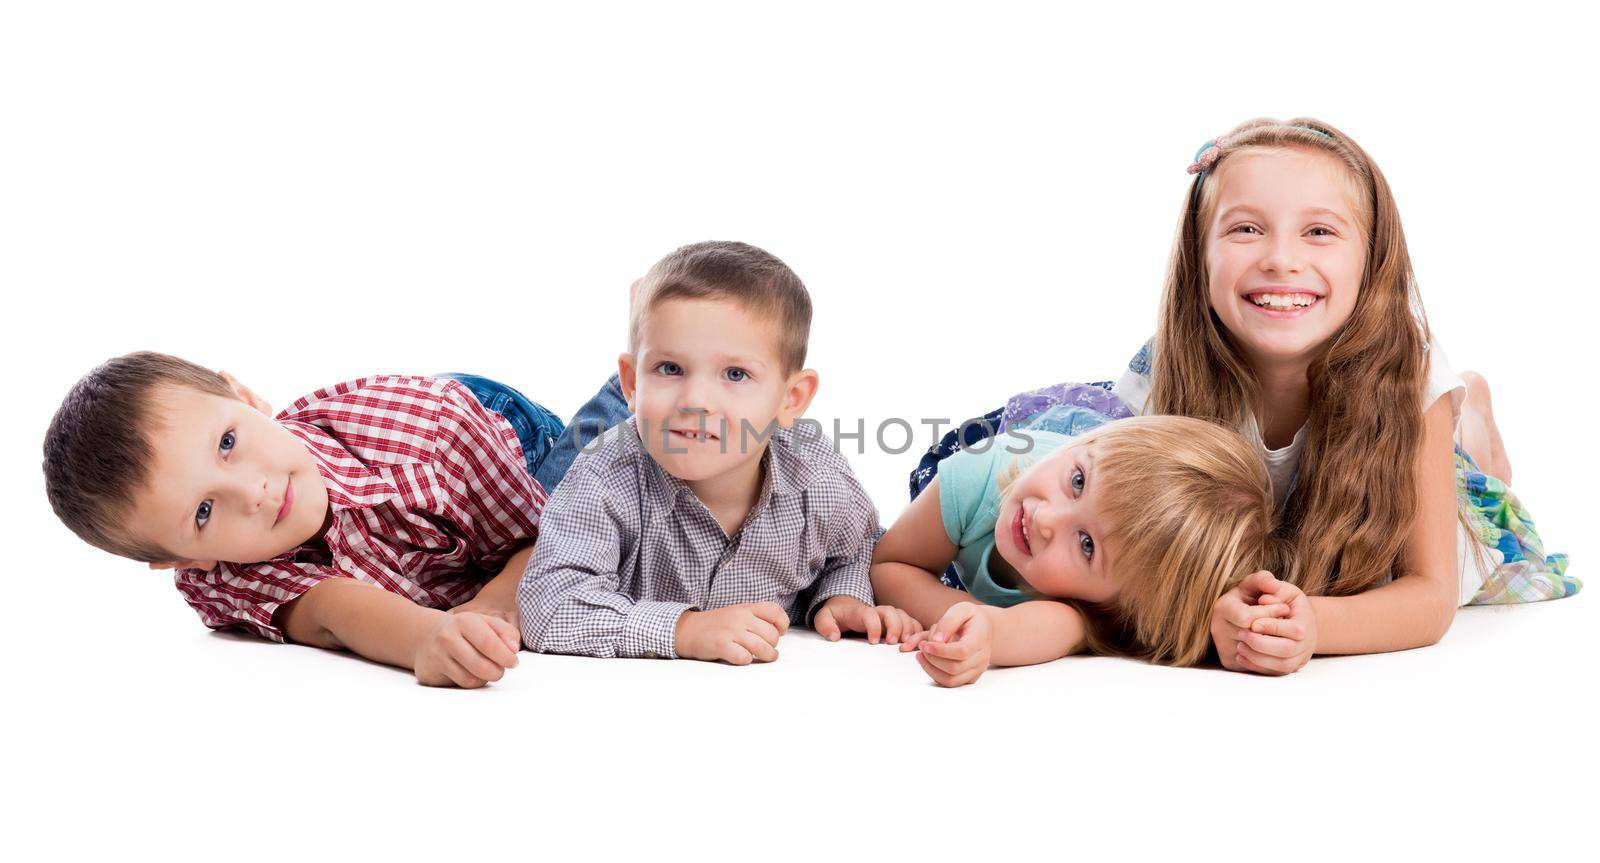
(1285, 252)
(705, 370)
(1050, 529)
(226, 482)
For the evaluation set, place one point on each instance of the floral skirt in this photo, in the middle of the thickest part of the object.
(1519, 569)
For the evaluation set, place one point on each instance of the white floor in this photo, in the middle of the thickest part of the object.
(200, 742)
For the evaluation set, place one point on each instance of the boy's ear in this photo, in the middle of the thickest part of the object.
(626, 371)
(245, 393)
(633, 291)
(184, 564)
(802, 388)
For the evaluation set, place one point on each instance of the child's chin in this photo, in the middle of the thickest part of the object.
(1286, 345)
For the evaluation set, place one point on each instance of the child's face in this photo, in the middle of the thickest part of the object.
(226, 482)
(1050, 529)
(1284, 253)
(703, 369)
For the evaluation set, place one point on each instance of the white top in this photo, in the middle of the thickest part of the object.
(1284, 463)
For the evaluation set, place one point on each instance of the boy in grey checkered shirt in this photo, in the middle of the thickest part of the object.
(707, 522)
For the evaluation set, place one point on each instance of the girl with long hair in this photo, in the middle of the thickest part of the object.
(1291, 312)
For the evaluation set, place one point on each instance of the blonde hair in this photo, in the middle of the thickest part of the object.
(754, 278)
(1356, 495)
(1189, 505)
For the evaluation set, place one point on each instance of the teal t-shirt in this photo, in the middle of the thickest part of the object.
(969, 503)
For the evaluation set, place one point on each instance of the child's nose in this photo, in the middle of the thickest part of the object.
(1052, 517)
(1047, 520)
(1283, 255)
(252, 492)
(695, 395)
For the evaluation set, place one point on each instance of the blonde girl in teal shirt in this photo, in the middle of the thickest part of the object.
(1118, 541)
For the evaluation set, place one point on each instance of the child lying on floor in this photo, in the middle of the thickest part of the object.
(1138, 524)
(390, 516)
(705, 524)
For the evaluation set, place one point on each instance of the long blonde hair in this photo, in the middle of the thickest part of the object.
(1189, 505)
(1356, 495)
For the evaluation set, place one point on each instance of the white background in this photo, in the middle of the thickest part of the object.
(981, 200)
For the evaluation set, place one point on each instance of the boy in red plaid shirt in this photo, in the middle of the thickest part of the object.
(390, 516)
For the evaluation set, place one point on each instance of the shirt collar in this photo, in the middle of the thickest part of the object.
(351, 482)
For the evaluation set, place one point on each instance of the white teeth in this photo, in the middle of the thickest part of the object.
(1283, 301)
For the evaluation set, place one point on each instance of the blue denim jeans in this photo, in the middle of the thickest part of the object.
(536, 427)
(607, 408)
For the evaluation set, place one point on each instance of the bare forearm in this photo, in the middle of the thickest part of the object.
(1411, 611)
(344, 614)
(501, 591)
(1034, 632)
(915, 591)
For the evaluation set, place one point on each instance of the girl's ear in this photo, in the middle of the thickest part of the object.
(247, 395)
(801, 389)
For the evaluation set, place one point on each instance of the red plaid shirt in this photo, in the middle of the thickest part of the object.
(429, 491)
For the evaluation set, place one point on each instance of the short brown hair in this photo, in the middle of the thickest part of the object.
(726, 270)
(97, 451)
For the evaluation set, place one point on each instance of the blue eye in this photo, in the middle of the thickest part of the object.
(202, 514)
(736, 375)
(1077, 480)
(227, 442)
(669, 368)
(1086, 542)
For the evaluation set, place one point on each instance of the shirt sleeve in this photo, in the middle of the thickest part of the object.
(1442, 380)
(570, 599)
(481, 461)
(847, 570)
(248, 595)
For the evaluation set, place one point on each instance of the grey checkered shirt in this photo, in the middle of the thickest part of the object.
(625, 548)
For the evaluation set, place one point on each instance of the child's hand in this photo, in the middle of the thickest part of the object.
(956, 651)
(738, 634)
(841, 614)
(1274, 645)
(1235, 612)
(485, 606)
(466, 650)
